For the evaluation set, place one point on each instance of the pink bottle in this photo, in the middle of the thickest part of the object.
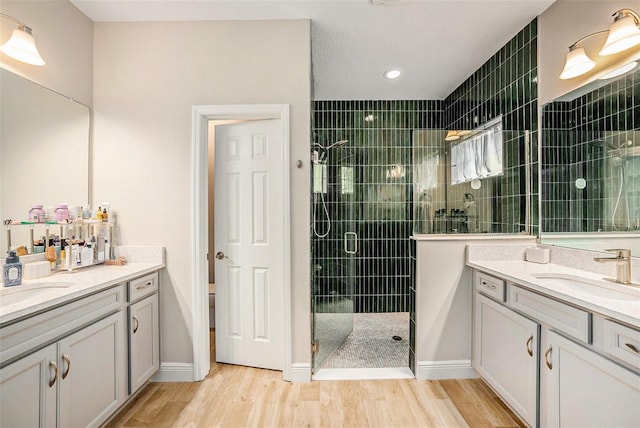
(61, 212)
(37, 214)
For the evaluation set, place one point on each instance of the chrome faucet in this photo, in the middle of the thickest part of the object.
(623, 265)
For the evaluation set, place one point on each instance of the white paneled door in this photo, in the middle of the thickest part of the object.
(249, 244)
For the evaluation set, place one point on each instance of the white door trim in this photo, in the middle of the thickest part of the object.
(199, 223)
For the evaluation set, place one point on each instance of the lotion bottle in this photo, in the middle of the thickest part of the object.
(12, 271)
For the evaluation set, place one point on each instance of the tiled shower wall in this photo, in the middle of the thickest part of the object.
(380, 150)
(581, 139)
(507, 85)
(378, 209)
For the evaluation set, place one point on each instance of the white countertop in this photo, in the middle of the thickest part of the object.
(522, 273)
(62, 287)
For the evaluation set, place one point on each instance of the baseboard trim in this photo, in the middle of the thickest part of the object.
(174, 372)
(452, 369)
(300, 372)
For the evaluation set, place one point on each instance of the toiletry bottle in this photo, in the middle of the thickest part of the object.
(12, 270)
(105, 216)
(62, 260)
(107, 249)
(37, 214)
(86, 212)
(99, 214)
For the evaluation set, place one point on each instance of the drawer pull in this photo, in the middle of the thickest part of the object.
(546, 358)
(529, 350)
(632, 347)
(67, 360)
(491, 286)
(137, 324)
(143, 286)
(54, 366)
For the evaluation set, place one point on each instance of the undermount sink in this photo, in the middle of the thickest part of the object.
(11, 295)
(599, 288)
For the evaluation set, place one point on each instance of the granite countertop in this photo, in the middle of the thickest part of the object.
(41, 294)
(622, 304)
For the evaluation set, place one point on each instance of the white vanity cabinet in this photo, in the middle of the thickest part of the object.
(144, 331)
(506, 355)
(579, 388)
(555, 364)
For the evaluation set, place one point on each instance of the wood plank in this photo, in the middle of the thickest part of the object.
(464, 404)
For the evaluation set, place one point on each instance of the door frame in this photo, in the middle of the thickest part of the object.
(201, 115)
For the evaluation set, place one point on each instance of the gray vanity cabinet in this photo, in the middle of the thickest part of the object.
(579, 388)
(28, 390)
(555, 364)
(506, 353)
(144, 331)
(92, 372)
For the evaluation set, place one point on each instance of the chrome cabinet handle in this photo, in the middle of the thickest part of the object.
(54, 366)
(137, 324)
(346, 242)
(67, 360)
(486, 284)
(529, 350)
(546, 358)
(632, 347)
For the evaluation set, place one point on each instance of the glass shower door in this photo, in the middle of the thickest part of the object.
(334, 246)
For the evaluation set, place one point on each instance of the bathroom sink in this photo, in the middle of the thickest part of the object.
(11, 295)
(594, 287)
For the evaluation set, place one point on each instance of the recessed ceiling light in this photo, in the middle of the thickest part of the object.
(392, 74)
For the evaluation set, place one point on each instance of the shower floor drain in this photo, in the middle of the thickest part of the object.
(396, 338)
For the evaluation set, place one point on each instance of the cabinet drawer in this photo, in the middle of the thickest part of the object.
(564, 318)
(490, 286)
(622, 342)
(143, 286)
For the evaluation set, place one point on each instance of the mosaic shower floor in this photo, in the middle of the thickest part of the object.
(371, 343)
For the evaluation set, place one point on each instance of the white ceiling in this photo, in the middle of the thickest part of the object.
(437, 43)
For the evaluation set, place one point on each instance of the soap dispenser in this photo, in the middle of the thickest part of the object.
(12, 270)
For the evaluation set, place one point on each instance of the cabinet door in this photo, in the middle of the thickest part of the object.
(580, 388)
(144, 346)
(92, 372)
(506, 355)
(28, 390)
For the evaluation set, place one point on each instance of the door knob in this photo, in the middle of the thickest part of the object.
(220, 256)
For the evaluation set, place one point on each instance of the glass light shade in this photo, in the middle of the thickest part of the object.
(451, 136)
(22, 46)
(623, 34)
(620, 71)
(576, 64)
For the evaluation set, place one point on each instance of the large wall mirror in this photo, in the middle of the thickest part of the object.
(590, 171)
(44, 152)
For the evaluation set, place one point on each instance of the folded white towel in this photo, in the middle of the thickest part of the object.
(469, 165)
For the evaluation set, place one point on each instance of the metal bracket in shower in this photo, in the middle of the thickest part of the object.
(350, 238)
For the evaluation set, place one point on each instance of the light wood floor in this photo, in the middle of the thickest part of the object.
(235, 396)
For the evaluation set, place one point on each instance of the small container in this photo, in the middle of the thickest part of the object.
(12, 270)
(61, 212)
(37, 214)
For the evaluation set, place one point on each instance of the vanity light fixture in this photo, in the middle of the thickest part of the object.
(394, 73)
(21, 46)
(452, 136)
(620, 71)
(623, 34)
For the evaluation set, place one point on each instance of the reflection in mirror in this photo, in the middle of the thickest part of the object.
(44, 152)
(590, 169)
(473, 191)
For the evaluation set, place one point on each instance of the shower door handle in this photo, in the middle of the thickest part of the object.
(354, 239)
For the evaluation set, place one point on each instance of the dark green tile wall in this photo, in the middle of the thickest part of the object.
(507, 85)
(379, 210)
